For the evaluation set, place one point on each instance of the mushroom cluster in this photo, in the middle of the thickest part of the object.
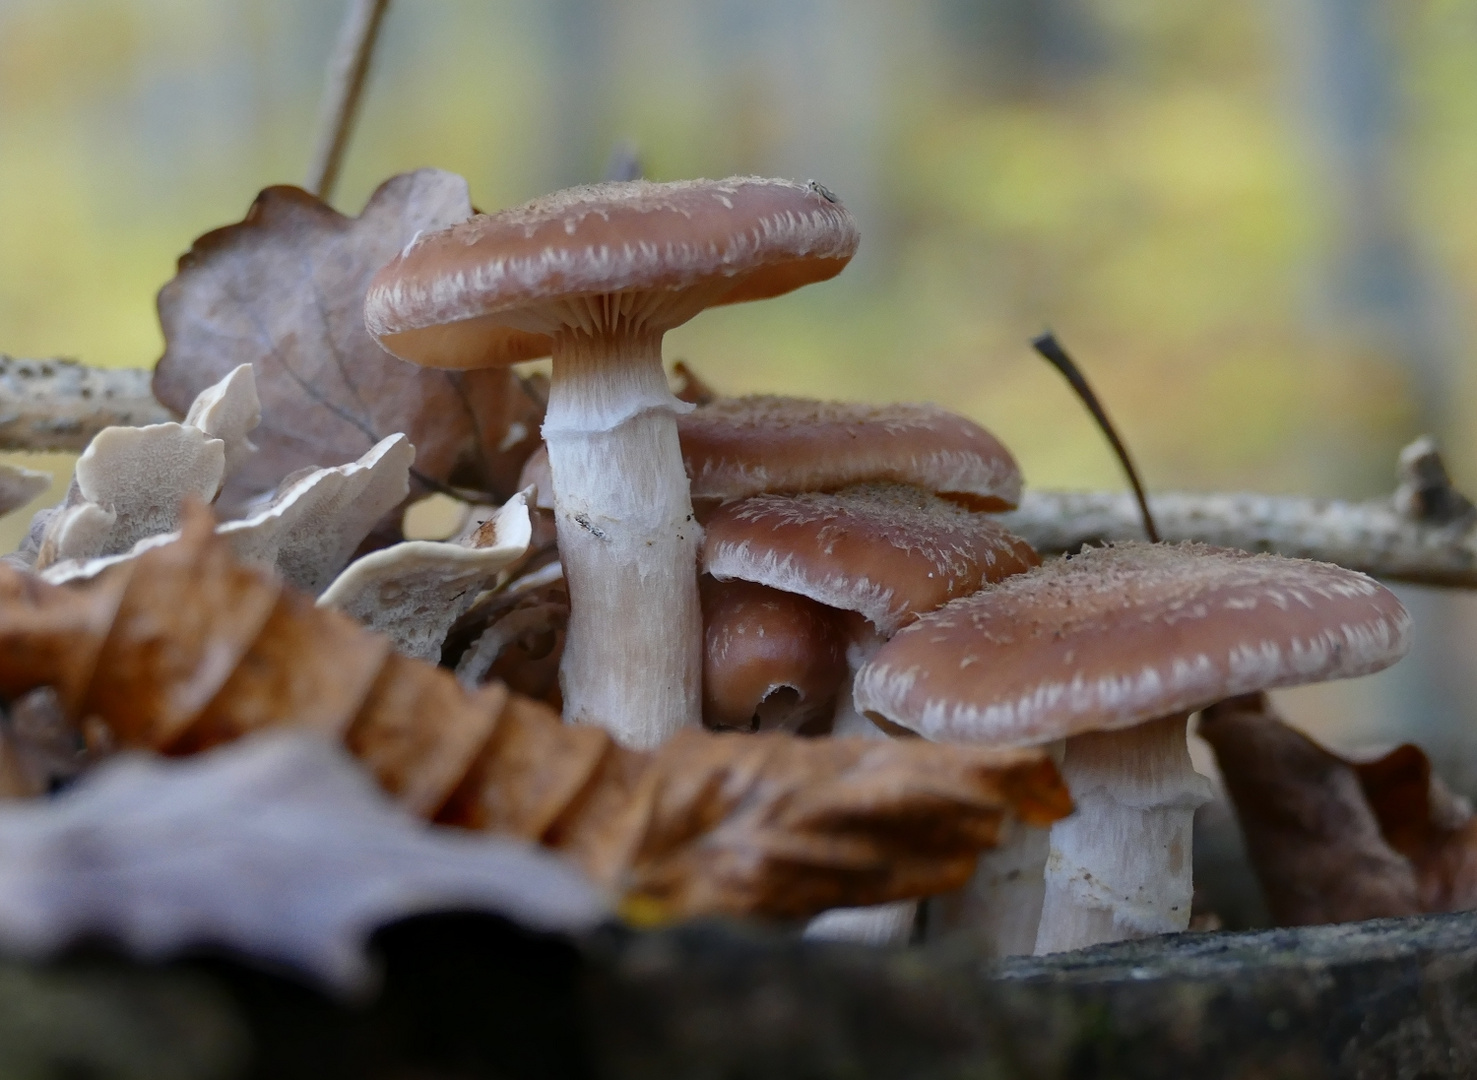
(754, 563)
(835, 569)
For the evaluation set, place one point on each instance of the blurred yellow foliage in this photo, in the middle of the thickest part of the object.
(1162, 208)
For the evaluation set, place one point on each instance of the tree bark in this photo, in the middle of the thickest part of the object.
(50, 405)
(1370, 536)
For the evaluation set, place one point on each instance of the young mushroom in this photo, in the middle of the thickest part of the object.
(885, 552)
(596, 275)
(772, 660)
(1112, 650)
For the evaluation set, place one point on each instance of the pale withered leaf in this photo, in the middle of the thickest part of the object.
(283, 290)
(279, 848)
(19, 486)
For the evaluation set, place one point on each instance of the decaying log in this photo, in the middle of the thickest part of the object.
(1388, 999)
(61, 404)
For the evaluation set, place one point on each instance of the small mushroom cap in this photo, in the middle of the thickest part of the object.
(886, 551)
(742, 446)
(771, 660)
(1117, 636)
(490, 291)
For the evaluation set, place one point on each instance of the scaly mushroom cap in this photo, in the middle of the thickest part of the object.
(490, 290)
(742, 446)
(771, 660)
(1116, 636)
(886, 551)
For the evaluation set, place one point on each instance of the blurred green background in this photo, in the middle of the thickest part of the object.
(1251, 222)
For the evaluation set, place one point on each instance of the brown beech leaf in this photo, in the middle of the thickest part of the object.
(283, 290)
(1334, 840)
(183, 648)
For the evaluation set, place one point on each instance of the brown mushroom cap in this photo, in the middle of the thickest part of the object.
(771, 659)
(1116, 636)
(742, 446)
(490, 290)
(887, 551)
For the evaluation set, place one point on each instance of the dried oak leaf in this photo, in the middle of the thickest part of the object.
(283, 290)
(278, 847)
(183, 648)
(1334, 840)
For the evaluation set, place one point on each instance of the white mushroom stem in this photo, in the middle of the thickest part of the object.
(1120, 865)
(878, 924)
(1000, 907)
(863, 641)
(633, 651)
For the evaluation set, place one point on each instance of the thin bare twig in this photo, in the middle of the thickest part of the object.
(347, 71)
(1051, 349)
(61, 404)
(1426, 533)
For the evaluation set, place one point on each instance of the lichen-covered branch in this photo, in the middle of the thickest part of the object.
(1425, 533)
(1370, 536)
(61, 404)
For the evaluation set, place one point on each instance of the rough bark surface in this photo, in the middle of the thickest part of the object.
(1373, 537)
(59, 405)
(468, 996)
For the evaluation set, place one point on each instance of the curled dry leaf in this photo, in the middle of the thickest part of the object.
(183, 648)
(128, 486)
(689, 386)
(522, 638)
(413, 591)
(283, 290)
(278, 847)
(312, 525)
(307, 531)
(1334, 840)
(130, 481)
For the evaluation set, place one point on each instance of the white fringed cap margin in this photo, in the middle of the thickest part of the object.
(490, 290)
(1116, 636)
